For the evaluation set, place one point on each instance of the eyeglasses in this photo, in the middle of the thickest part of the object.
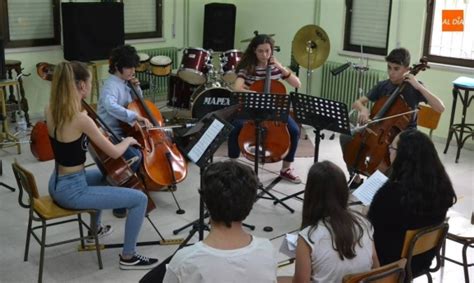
(392, 148)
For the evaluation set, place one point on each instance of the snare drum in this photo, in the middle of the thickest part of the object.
(229, 61)
(205, 100)
(179, 92)
(193, 67)
(144, 62)
(161, 65)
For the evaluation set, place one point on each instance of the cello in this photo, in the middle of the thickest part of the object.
(163, 163)
(390, 115)
(117, 171)
(275, 142)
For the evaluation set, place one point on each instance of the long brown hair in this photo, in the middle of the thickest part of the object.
(249, 59)
(64, 102)
(325, 202)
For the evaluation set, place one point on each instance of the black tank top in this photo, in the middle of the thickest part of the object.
(69, 154)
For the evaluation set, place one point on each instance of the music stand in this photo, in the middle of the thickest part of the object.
(320, 113)
(261, 107)
(212, 132)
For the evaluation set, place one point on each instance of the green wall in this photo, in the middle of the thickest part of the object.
(284, 18)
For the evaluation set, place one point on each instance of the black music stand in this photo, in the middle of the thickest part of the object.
(261, 107)
(212, 132)
(320, 113)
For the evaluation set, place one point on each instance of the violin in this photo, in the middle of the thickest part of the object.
(117, 171)
(275, 142)
(163, 163)
(390, 115)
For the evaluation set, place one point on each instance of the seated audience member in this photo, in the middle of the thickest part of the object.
(228, 253)
(417, 194)
(334, 240)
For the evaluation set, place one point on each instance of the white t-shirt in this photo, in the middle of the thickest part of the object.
(200, 263)
(326, 266)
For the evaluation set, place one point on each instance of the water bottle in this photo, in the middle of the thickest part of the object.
(20, 121)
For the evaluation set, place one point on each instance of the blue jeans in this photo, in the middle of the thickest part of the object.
(129, 154)
(86, 190)
(233, 141)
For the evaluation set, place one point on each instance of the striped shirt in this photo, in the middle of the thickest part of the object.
(259, 74)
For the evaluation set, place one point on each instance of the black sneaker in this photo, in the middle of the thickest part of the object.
(120, 212)
(104, 230)
(138, 262)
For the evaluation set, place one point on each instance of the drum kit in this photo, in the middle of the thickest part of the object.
(201, 86)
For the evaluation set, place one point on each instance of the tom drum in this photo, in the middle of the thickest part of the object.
(193, 67)
(229, 61)
(179, 92)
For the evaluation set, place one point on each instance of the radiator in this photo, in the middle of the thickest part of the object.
(158, 85)
(343, 87)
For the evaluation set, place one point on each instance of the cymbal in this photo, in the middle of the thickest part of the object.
(310, 46)
(250, 39)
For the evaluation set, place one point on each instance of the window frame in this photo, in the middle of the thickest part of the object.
(347, 46)
(5, 29)
(427, 41)
(56, 39)
(158, 33)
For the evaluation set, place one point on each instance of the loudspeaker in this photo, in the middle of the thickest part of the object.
(92, 30)
(3, 68)
(219, 26)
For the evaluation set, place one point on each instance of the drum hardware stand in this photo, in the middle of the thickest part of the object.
(321, 114)
(310, 46)
(261, 107)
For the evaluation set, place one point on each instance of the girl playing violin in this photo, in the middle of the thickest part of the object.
(70, 185)
(251, 68)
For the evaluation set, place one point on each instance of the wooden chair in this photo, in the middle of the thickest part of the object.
(465, 237)
(422, 240)
(428, 118)
(43, 209)
(390, 273)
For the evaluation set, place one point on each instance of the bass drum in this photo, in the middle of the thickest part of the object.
(205, 100)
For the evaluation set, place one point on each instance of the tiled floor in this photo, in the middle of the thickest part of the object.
(65, 264)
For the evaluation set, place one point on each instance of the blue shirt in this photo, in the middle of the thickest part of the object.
(114, 97)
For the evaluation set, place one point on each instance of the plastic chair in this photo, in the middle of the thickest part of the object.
(428, 118)
(390, 273)
(422, 240)
(465, 237)
(43, 209)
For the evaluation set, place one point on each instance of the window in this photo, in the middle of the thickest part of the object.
(30, 22)
(449, 47)
(143, 19)
(367, 26)
(26, 23)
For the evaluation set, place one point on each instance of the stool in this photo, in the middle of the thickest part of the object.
(15, 65)
(459, 129)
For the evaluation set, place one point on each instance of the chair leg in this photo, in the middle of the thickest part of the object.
(465, 263)
(28, 237)
(430, 279)
(43, 243)
(96, 239)
(81, 232)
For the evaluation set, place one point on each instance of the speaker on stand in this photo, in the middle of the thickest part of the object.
(219, 26)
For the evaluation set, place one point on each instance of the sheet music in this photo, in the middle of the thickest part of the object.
(203, 143)
(365, 193)
(288, 245)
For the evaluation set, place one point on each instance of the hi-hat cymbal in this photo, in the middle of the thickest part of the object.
(310, 46)
(250, 39)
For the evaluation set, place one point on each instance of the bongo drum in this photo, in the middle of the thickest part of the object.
(161, 65)
(144, 62)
